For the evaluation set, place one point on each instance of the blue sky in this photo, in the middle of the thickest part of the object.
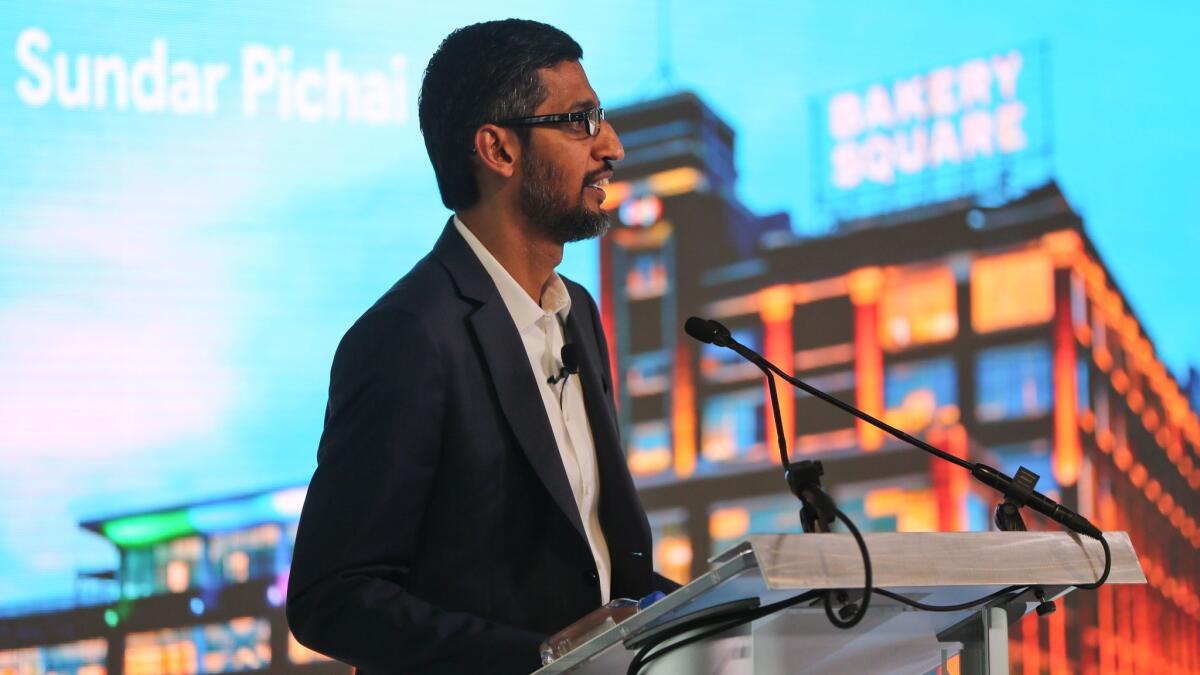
(172, 287)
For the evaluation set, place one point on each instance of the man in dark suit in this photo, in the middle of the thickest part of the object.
(469, 501)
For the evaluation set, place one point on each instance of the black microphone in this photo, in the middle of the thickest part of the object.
(700, 329)
(570, 364)
(713, 332)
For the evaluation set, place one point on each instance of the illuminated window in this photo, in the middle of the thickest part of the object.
(179, 576)
(1103, 423)
(650, 448)
(166, 652)
(1082, 386)
(1011, 290)
(899, 504)
(648, 373)
(718, 364)
(236, 645)
(919, 393)
(168, 567)
(1079, 303)
(808, 359)
(731, 521)
(918, 307)
(672, 546)
(646, 276)
(137, 572)
(1013, 382)
(733, 430)
(242, 555)
(85, 657)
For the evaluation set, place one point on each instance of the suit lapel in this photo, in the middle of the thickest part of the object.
(508, 366)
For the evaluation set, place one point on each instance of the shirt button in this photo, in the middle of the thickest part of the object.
(591, 578)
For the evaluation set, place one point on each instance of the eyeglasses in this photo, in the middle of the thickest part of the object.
(591, 118)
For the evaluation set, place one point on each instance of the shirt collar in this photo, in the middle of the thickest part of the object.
(525, 312)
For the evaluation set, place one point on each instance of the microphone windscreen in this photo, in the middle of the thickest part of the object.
(570, 358)
(720, 334)
(700, 329)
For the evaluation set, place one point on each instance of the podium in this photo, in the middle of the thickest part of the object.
(936, 568)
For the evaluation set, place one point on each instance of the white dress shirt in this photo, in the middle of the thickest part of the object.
(541, 330)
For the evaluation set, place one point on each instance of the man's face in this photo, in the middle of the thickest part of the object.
(564, 171)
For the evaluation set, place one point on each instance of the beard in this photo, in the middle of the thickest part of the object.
(545, 204)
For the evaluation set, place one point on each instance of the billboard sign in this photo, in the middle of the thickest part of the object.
(921, 137)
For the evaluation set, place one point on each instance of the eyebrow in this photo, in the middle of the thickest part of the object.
(585, 104)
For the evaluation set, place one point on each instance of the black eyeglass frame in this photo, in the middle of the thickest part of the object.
(593, 123)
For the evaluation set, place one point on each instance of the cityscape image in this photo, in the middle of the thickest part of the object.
(970, 221)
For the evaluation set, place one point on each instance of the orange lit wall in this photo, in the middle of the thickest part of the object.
(950, 483)
(1012, 289)
(1068, 453)
(776, 308)
(866, 285)
(683, 411)
(918, 307)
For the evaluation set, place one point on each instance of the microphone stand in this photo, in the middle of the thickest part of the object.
(1017, 492)
(817, 508)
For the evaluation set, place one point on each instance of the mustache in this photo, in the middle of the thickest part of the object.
(591, 177)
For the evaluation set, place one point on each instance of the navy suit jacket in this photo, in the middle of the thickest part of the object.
(440, 534)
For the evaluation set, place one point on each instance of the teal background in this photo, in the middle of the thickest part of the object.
(172, 288)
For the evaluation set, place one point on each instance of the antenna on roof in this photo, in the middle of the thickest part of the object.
(663, 80)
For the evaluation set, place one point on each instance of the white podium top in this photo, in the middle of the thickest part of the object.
(907, 559)
(940, 568)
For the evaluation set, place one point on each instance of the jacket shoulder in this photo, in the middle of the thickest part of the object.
(419, 302)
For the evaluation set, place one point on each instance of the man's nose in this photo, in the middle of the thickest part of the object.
(608, 146)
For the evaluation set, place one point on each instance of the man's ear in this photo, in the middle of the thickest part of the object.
(497, 149)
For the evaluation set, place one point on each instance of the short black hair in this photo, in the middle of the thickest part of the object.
(483, 73)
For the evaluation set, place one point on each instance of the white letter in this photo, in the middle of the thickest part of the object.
(283, 101)
(941, 93)
(910, 149)
(62, 75)
(847, 169)
(975, 83)
(878, 152)
(213, 74)
(376, 98)
(154, 71)
(34, 95)
(399, 89)
(1009, 134)
(879, 107)
(185, 88)
(1008, 69)
(307, 79)
(943, 144)
(114, 66)
(977, 134)
(338, 84)
(258, 76)
(910, 100)
(845, 116)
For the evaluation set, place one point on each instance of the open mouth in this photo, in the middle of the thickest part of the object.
(599, 186)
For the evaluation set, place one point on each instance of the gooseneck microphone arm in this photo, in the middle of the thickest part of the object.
(994, 478)
(818, 511)
(722, 338)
